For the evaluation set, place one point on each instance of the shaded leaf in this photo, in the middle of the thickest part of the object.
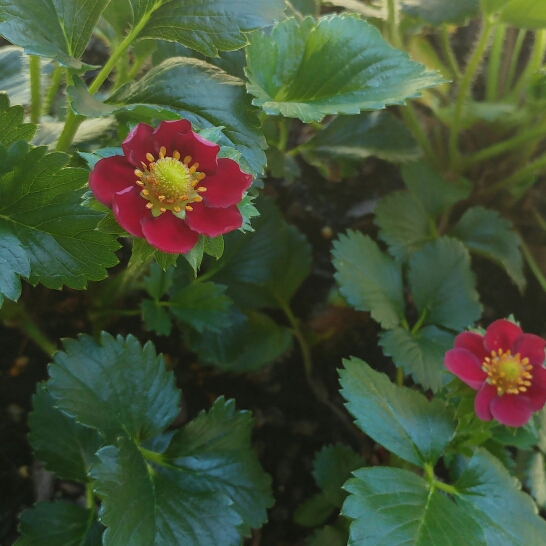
(437, 12)
(421, 354)
(530, 14)
(118, 387)
(14, 263)
(401, 419)
(443, 285)
(12, 128)
(485, 232)
(369, 279)
(338, 65)
(155, 317)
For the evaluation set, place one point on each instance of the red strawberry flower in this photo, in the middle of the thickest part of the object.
(169, 187)
(505, 366)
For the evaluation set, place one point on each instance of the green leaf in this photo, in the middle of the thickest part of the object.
(59, 524)
(492, 6)
(338, 65)
(443, 285)
(158, 282)
(206, 96)
(314, 511)
(14, 262)
(530, 14)
(492, 498)
(421, 354)
(485, 232)
(435, 193)
(214, 454)
(401, 419)
(394, 507)
(328, 536)
(65, 446)
(214, 246)
(40, 206)
(332, 467)
(404, 224)
(208, 25)
(250, 342)
(118, 387)
(142, 506)
(437, 12)
(204, 306)
(377, 134)
(369, 279)
(15, 75)
(155, 317)
(306, 7)
(266, 267)
(12, 128)
(55, 29)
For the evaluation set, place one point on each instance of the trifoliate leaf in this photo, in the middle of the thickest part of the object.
(117, 387)
(143, 506)
(377, 134)
(485, 232)
(65, 446)
(399, 418)
(437, 12)
(213, 454)
(249, 342)
(266, 267)
(395, 507)
(195, 90)
(338, 65)
(40, 207)
(443, 285)
(493, 499)
(420, 354)
(404, 224)
(208, 25)
(204, 306)
(12, 128)
(368, 278)
(58, 30)
(428, 186)
(59, 524)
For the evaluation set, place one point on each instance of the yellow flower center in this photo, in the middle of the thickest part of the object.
(508, 373)
(169, 183)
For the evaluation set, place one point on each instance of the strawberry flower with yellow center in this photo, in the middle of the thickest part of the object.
(505, 366)
(170, 186)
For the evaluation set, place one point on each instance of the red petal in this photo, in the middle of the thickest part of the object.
(199, 149)
(473, 342)
(110, 175)
(138, 143)
(537, 391)
(166, 133)
(169, 233)
(531, 347)
(213, 222)
(483, 401)
(466, 367)
(129, 209)
(501, 334)
(227, 186)
(513, 410)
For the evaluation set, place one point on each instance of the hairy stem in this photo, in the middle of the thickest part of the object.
(56, 79)
(448, 53)
(393, 23)
(534, 63)
(493, 68)
(35, 89)
(516, 51)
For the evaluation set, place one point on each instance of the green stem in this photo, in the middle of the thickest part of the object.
(448, 53)
(89, 495)
(56, 79)
(35, 89)
(152, 456)
(15, 315)
(298, 334)
(445, 487)
(534, 63)
(393, 23)
(533, 168)
(73, 121)
(284, 129)
(493, 67)
(504, 146)
(412, 122)
(464, 90)
(419, 323)
(533, 266)
(516, 51)
(400, 376)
